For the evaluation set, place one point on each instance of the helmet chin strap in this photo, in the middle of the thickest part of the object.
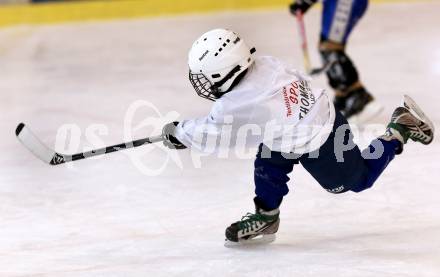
(220, 83)
(228, 76)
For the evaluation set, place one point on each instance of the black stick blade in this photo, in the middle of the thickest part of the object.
(19, 128)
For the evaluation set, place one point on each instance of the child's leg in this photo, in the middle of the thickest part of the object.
(340, 165)
(376, 165)
(407, 122)
(271, 177)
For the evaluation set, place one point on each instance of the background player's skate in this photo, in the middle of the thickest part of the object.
(359, 106)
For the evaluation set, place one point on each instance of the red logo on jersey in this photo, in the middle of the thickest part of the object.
(290, 94)
(298, 93)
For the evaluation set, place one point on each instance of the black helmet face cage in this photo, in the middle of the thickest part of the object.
(203, 87)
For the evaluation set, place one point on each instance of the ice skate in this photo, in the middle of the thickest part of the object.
(258, 228)
(358, 106)
(409, 122)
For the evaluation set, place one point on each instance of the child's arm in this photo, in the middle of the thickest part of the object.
(200, 133)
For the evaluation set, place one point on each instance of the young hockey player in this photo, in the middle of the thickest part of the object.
(339, 17)
(299, 125)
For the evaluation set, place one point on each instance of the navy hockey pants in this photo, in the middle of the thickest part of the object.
(339, 18)
(336, 169)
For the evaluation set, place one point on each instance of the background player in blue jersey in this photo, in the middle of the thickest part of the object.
(339, 17)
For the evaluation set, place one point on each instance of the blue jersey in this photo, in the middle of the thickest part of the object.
(339, 17)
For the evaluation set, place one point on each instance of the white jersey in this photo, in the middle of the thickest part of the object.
(272, 104)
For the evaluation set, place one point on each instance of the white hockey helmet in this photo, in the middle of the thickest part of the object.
(215, 61)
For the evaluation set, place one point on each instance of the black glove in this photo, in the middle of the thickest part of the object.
(169, 140)
(301, 6)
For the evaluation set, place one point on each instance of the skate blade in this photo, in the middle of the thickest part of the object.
(371, 111)
(415, 110)
(259, 240)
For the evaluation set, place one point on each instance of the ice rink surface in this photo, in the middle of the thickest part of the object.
(107, 217)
